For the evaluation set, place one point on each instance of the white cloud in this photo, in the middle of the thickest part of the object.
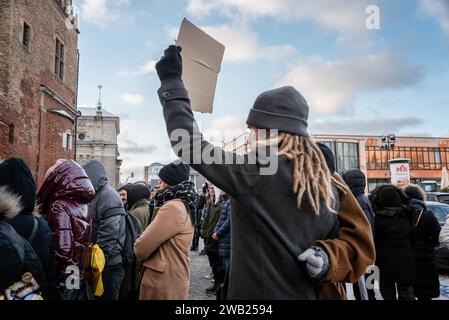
(132, 148)
(328, 14)
(224, 129)
(228, 123)
(147, 68)
(242, 44)
(376, 126)
(438, 9)
(132, 99)
(331, 86)
(103, 12)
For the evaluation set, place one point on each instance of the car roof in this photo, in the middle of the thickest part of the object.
(438, 193)
(436, 204)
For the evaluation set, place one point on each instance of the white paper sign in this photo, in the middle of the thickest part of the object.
(201, 60)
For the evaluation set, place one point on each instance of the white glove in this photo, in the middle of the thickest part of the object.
(317, 262)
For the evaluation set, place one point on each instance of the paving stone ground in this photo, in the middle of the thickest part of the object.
(199, 267)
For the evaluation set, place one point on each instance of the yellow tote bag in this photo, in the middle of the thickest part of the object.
(97, 263)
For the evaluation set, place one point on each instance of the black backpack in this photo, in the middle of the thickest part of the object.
(133, 230)
(131, 282)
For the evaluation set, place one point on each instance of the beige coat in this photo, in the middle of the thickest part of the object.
(164, 249)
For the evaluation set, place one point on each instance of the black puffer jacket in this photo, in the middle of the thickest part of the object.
(427, 234)
(15, 174)
(356, 181)
(16, 254)
(394, 236)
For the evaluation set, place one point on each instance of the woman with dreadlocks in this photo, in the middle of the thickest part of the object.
(164, 245)
(284, 205)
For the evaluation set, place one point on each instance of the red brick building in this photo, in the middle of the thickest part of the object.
(38, 81)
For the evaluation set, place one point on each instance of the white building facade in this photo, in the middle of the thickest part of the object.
(96, 139)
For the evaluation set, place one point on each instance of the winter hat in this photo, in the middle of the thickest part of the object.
(174, 173)
(390, 196)
(356, 181)
(414, 191)
(137, 192)
(328, 156)
(15, 174)
(284, 109)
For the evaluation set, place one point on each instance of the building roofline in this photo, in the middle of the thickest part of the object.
(374, 136)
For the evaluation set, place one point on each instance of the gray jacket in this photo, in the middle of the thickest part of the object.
(268, 229)
(108, 214)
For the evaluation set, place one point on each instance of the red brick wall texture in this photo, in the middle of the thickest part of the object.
(32, 97)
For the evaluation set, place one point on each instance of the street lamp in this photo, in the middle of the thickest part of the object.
(131, 176)
(388, 143)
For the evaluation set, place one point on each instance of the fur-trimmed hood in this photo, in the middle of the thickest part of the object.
(9, 204)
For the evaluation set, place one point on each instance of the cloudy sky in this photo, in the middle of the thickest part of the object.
(356, 80)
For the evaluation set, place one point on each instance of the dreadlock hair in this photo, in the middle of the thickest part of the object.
(312, 180)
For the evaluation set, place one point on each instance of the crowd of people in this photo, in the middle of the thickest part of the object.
(301, 232)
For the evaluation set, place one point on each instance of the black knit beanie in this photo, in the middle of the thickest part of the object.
(284, 109)
(174, 173)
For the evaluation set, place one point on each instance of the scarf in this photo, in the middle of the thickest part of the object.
(184, 191)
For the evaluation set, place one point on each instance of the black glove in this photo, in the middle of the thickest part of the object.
(170, 65)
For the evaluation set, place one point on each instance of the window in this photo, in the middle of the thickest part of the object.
(67, 140)
(81, 136)
(26, 35)
(421, 158)
(347, 156)
(438, 159)
(59, 59)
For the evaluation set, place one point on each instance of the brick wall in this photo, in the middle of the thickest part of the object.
(23, 73)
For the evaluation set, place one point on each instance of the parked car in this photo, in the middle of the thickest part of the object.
(438, 197)
(429, 186)
(439, 210)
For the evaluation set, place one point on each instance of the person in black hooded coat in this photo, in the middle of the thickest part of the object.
(356, 181)
(138, 203)
(394, 240)
(17, 177)
(427, 231)
(17, 257)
